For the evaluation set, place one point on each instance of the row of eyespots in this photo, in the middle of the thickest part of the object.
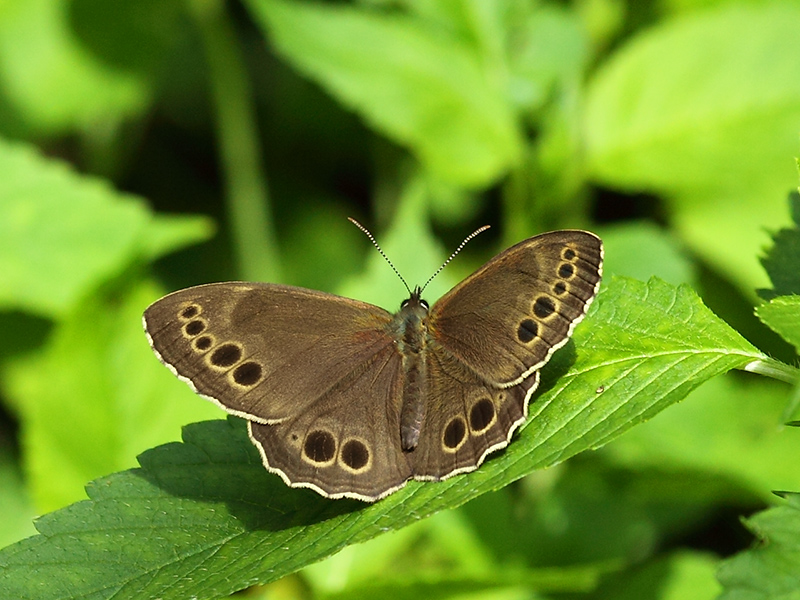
(544, 306)
(222, 356)
(320, 446)
(320, 449)
(482, 416)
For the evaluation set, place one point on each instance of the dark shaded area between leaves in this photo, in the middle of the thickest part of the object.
(780, 260)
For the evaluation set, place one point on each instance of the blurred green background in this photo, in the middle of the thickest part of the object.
(154, 144)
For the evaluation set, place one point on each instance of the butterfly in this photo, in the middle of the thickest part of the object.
(350, 400)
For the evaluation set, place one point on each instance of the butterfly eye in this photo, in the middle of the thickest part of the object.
(405, 302)
(424, 304)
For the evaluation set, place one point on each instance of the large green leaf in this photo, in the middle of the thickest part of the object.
(203, 518)
(63, 234)
(705, 110)
(771, 569)
(421, 87)
(50, 79)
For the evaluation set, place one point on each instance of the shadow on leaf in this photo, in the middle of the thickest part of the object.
(216, 463)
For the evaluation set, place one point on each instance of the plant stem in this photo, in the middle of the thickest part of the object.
(246, 193)
(775, 369)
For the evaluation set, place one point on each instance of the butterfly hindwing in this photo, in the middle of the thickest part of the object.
(466, 418)
(348, 445)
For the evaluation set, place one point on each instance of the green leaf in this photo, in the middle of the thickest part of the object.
(704, 110)
(782, 315)
(669, 110)
(203, 518)
(729, 429)
(137, 37)
(206, 503)
(547, 46)
(168, 233)
(62, 234)
(651, 344)
(782, 261)
(771, 569)
(104, 398)
(51, 80)
(420, 86)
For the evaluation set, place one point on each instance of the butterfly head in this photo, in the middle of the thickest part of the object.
(414, 304)
(409, 325)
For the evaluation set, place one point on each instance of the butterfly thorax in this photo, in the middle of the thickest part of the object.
(410, 329)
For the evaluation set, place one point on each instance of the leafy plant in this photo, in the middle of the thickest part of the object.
(667, 129)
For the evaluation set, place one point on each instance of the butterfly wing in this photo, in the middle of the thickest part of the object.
(488, 337)
(262, 351)
(294, 362)
(505, 320)
(348, 445)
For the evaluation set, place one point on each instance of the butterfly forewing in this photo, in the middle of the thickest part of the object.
(264, 351)
(506, 319)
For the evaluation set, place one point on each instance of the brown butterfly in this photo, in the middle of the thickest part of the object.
(352, 401)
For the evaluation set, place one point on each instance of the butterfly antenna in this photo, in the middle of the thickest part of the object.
(453, 255)
(382, 253)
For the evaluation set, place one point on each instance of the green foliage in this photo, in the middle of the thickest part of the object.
(771, 569)
(782, 315)
(41, 60)
(113, 415)
(420, 88)
(718, 147)
(62, 235)
(217, 505)
(784, 256)
(682, 576)
(669, 130)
